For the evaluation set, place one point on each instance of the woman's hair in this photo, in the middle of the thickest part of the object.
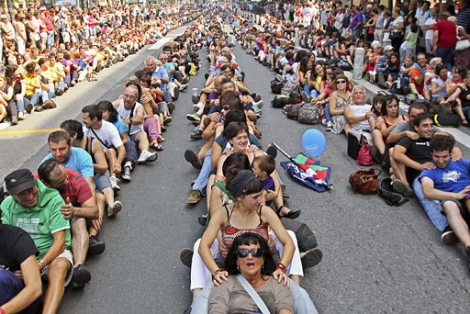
(397, 56)
(235, 163)
(10, 72)
(378, 98)
(106, 105)
(244, 183)
(248, 238)
(73, 127)
(459, 69)
(303, 64)
(439, 68)
(388, 100)
(235, 128)
(30, 67)
(342, 77)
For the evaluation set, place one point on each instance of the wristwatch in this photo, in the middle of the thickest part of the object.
(42, 263)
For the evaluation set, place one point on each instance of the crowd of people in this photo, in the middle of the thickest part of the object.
(247, 231)
(421, 159)
(44, 52)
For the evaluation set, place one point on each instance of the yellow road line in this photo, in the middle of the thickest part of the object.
(27, 131)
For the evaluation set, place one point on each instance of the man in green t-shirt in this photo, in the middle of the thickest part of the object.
(36, 209)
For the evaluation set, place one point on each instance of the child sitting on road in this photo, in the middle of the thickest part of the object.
(263, 167)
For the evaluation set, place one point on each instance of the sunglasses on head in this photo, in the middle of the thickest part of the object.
(258, 252)
(340, 82)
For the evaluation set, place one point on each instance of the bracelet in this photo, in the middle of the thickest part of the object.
(218, 271)
(2, 311)
(281, 267)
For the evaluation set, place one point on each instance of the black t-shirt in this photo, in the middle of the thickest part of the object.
(15, 246)
(418, 151)
(463, 97)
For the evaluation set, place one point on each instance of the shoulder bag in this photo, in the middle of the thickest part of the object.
(462, 44)
(365, 181)
(253, 294)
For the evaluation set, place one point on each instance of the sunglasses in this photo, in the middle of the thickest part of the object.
(341, 82)
(226, 107)
(243, 253)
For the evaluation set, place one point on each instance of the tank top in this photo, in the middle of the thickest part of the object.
(229, 232)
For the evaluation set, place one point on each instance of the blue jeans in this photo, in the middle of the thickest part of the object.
(327, 112)
(307, 88)
(302, 301)
(314, 93)
(33, 100)
(10, 286)
(432, 207)
(201, 181)
(356, 32)
(446, 54)
(50, 39)
(466, 112)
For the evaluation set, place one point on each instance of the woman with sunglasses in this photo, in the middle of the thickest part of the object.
(339, 99)
(245, 214)
(250, 258)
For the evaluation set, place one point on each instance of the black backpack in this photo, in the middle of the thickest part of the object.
(281, 100)
(277, 86)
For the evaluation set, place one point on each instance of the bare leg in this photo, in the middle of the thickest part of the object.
(55, 291)
(80, 240)
(456, 222)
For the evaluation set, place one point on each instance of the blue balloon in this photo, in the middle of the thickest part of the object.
(314, 142)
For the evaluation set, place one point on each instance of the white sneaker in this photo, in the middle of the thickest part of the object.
(183, 87)
(113, 209)
(126, 175)
(197, 106)
(114, 183)
(147, 156)
(258, 104)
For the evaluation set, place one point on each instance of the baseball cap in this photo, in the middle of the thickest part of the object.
(19, 180)
(388, 47)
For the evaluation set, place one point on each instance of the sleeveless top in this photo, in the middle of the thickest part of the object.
(89, 147)
(229, 232)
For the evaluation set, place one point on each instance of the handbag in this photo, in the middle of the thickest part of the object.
(462, 44)
(365, 181)
(363, 157)
(371, 31)
(253, 294)
(396, 35)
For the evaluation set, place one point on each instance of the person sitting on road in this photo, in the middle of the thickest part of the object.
(358, 113)
(100, 166)
(462, 96)
(18, 294)
(449, 183)
(418, 73)
(32, 80)
(80, 209)
(132, 114)
(33, 206)
(107, 134)
(386, 122)
(339, 99)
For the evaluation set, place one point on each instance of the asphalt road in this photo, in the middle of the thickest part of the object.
(377, 258)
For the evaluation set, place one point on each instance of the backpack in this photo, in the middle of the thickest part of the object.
(310, 114)
(305, 236)
(289, 86)
(392, 198)
(193, 70)
(447, 119)
(280, 101)
(292, 111)
(277, 86)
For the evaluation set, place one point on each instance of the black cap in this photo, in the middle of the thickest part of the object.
(19, 180)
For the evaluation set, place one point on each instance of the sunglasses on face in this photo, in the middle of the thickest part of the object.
(341, 82)
(243, 253)
(226, 107)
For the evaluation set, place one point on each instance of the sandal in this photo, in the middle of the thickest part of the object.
(464, 121)
(156, 146)
(292, 214)
(161, 139)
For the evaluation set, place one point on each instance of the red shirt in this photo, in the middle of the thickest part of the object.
(77, 189)
(447, 34)
(48, 23)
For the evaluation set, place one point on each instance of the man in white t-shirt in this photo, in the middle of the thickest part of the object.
(132, 114)
(108, 135)
(428, 28)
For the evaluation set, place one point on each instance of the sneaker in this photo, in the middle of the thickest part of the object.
(114, 209)
(146, 156)
(304, 96)
(448, 236)
(81, 275)
(38, 108)
(176, 93)
(186, 257)
(171, 106)
(192, 158)
(376, 155)
(194, 197)
(403, 188)
(167, 120)
(311, 258)
(195, 99)
(126, 175)
(114, 184)
(183, 87)
(197, 106)
(196, 135)
(193, 117)
(29, 108)
(95, 246)
(202, 220)
(383, 85)
(259, 104)
(279, 77)
(328, 126)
